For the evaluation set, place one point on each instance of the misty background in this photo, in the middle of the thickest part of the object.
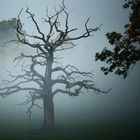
(121, 104)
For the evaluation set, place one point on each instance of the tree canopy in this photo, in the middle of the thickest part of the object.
(125, 48)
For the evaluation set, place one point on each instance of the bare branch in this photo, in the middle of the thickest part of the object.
(78, 89)
(21, 35)
(65, 92)
(27, 76)
(72, 79)
(34, 21)
(4, 92)
(70, 70)
(86, 34)
(31, 100)
(32, 68)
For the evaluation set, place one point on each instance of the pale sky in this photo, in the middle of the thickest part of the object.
(124, 97)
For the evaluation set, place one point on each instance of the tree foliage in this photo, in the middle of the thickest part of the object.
(7, 32)
(126, 47)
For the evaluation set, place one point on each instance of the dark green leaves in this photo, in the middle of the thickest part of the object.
(113, 37)
(125, 51)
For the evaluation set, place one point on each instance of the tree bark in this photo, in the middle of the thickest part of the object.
(48, 106)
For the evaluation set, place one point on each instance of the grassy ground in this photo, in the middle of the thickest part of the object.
(72, 132)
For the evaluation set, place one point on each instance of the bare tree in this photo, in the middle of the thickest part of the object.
(45, 46)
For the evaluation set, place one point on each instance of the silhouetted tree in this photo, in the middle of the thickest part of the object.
(126, 47)
(40, 66)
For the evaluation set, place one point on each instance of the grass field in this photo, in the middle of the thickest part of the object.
(72, 132)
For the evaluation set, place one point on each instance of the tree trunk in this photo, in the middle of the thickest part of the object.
(48, 106)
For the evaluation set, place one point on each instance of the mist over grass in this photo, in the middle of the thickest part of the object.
(72, 131)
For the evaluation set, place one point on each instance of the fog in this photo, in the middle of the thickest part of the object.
(121, 104)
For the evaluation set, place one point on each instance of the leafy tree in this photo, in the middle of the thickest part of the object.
(126, 47)
(37, 76)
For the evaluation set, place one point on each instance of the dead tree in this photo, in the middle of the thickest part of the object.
(73, 81)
